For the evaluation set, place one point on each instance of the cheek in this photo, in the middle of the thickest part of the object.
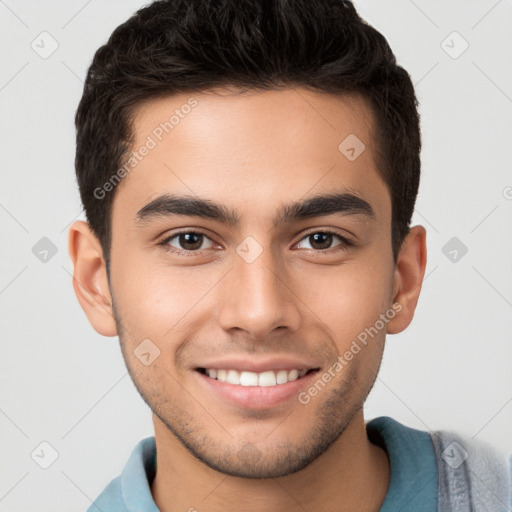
(349, 298)
(153, 297)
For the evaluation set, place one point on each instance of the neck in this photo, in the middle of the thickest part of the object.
(352, 474)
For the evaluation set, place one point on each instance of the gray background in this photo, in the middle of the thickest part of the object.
(63, 384)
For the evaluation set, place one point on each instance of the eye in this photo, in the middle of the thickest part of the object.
(193, 242)
(322, 240)
(188, 241)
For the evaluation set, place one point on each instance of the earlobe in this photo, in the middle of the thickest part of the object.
(90, 278)
(408, 278)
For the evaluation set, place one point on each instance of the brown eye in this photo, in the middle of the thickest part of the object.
(188, 241)
(320, 240)
(323, 240)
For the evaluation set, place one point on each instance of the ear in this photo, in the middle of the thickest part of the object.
(408, 278)
(90, 278)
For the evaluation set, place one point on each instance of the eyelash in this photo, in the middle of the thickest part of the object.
(345, 242)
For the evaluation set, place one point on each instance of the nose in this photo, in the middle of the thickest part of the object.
(258, 297)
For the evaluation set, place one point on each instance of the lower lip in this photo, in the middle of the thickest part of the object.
(256, 397)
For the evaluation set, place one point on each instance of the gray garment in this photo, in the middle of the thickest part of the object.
(473, 475)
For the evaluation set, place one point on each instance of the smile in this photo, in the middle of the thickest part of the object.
(262, 379)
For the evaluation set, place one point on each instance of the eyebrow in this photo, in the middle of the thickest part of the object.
(345, 203)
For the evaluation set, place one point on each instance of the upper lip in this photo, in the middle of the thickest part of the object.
(258, 364)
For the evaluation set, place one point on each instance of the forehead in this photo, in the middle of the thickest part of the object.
(252, 149)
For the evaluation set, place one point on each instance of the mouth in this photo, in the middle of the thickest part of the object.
(266, 378)
(254, 390)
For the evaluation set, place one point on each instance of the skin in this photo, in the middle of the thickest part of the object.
(254, 152)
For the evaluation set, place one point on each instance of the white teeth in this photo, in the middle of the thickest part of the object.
(282, 377)
(249, 379)
(293, 375)
(267, 379)
(233, 377)
(264, 379)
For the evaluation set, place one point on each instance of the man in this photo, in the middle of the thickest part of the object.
(249, 171)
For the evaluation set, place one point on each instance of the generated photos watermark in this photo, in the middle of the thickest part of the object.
(152, 140)
(304, 397)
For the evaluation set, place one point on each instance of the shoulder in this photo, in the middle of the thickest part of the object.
(413, 468)
(399, 439)
(110, 499)
(460, 473)
(132, 489)
(472, 473)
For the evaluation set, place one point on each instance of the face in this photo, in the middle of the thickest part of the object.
(248, 246)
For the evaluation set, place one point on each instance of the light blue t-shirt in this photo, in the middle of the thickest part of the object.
(413, 484)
